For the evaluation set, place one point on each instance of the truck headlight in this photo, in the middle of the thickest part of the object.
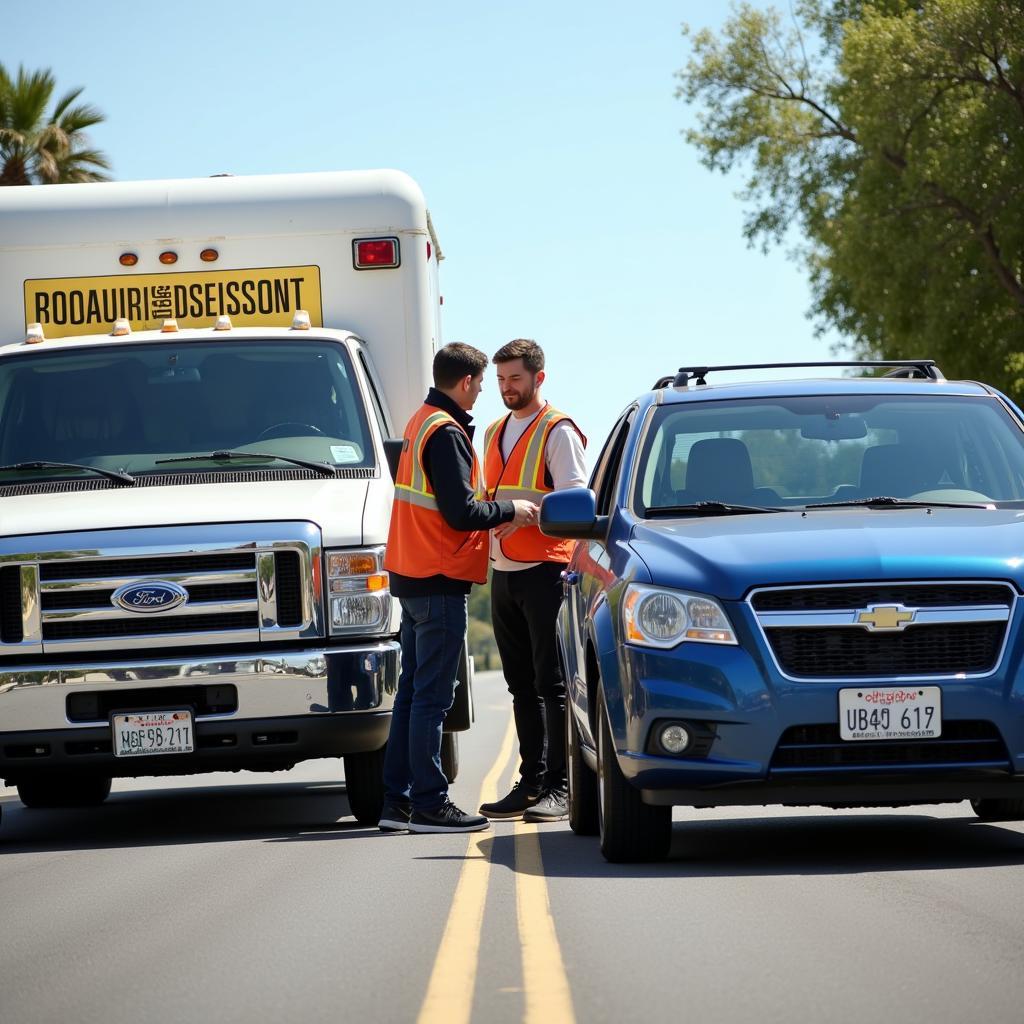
(358, 592)
(659, 617)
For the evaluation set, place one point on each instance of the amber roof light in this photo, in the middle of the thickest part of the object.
(168, 257)
(209, 255)
(128, 259)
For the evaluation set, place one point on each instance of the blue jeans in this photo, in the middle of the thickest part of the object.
(433, 630)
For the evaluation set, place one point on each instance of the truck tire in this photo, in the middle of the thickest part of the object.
(1001, 809)
(630, 829)
(583, 814)
(450, 755)
(364, 785)
(64, 791)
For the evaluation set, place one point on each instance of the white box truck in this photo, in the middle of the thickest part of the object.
(197, 382)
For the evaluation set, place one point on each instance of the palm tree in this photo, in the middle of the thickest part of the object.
(43, 148)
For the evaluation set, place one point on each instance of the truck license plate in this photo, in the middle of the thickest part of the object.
(884, 713)
(153, 732)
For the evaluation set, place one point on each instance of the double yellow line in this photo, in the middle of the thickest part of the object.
(449, 998)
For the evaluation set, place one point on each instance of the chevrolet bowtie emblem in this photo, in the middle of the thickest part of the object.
(889, 617)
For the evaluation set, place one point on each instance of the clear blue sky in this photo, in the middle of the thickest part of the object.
(545, 135)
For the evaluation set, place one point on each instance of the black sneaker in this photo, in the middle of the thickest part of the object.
(552, 806)
(512, 806)
(394, 818)
(447, 818)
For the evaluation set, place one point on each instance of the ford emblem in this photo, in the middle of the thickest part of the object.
(157, 596)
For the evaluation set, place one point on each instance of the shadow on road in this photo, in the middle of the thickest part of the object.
(798, 845)
(206, 814)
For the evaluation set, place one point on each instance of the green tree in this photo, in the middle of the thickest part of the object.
(890, 134)
(41, 146)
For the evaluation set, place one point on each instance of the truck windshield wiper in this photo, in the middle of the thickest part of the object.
(110, 474)
(323, 468)
(886, 501)
(709, 508)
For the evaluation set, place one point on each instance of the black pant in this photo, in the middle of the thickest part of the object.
(524, 606)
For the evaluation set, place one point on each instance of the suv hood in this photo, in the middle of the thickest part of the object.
(725, 556)
(336, 506)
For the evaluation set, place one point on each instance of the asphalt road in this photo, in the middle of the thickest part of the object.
(256, 898)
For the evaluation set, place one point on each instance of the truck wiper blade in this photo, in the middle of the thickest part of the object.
(709, 508)
(887, 501)
(323, 468)
(110, 474)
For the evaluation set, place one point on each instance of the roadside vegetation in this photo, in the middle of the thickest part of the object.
(43, 141)
(884, 140)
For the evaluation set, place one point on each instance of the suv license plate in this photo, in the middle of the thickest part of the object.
(883, 713)
(153, 732)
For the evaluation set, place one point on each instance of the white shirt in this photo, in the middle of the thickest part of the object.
(563, 456)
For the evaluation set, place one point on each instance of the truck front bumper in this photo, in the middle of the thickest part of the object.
(251, 709)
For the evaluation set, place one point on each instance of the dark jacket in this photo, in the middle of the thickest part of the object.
(448, 463)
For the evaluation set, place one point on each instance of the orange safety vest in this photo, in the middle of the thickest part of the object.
(420, 542)
(525, 476)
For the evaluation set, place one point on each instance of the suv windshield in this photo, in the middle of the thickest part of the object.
(793, 452)
(130, 407)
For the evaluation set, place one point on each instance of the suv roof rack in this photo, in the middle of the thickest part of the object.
(925, 369)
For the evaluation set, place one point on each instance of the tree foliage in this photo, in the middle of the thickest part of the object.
(44, 144)
(890, 133)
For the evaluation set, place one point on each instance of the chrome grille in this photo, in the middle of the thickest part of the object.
(886, 630)
(244, 583)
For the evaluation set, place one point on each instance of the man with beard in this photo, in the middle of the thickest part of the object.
(533, 450)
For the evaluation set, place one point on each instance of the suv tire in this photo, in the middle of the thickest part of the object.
(583, 813)
(364, 785)
(1001, 809)
(64, 791)
(630, 829)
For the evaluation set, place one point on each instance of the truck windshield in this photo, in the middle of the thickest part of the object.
(130, 407)
(796, 452)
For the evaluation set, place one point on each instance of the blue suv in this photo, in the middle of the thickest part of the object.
(799, 592)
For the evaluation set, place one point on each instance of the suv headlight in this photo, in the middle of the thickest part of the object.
(358, 592)
(658, 617)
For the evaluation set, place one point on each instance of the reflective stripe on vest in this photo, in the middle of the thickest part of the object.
(420, 542)
(524, 476)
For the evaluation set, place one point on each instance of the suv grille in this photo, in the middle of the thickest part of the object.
(964, 742)
(850, 632)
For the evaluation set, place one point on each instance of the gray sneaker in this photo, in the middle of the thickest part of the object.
(552, 806)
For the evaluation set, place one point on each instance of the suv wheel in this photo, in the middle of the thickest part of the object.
(630, 829)
(582, 783)
(364, 785)
(999, 809)
(64, 791)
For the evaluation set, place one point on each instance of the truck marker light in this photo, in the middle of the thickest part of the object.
(379, 581)
(300, 322)
(34, 334)
(375, 253)
(223, 323)
(170, 326)
(121, 328)
(168, 257)
(128, 259)
(209, 255)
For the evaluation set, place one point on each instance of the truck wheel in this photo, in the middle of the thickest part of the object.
(999, 809)
(89, 791)
(450, 755)
(630, 829)
(582, 783)
(364, 785)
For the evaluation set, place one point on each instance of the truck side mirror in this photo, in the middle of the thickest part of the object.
(393, 452)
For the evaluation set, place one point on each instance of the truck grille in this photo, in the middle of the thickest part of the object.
(885, 630)
(242, 588)
(963, 743)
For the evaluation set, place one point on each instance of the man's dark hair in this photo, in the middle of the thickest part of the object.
(455, 361)
(529, 351)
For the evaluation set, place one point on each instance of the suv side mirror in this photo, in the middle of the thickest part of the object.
(393, 452)
(572, 513)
